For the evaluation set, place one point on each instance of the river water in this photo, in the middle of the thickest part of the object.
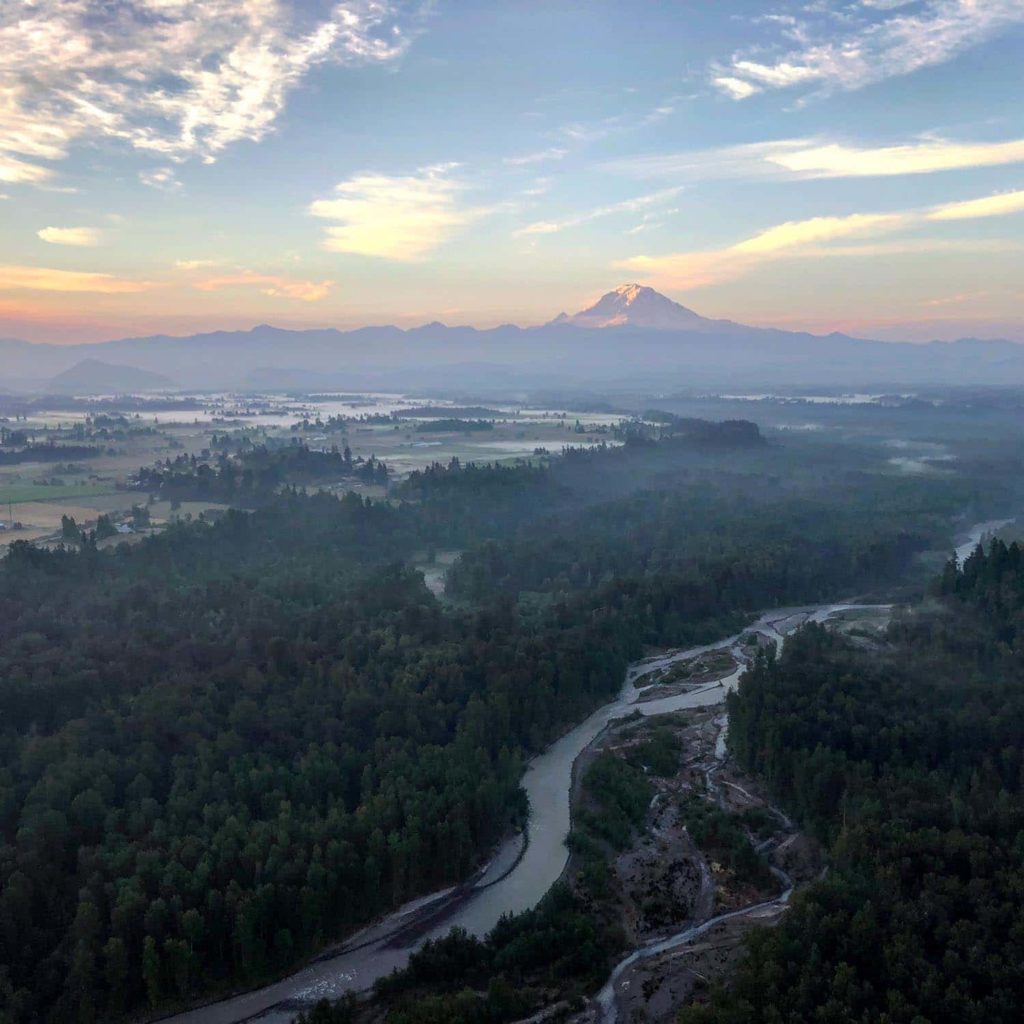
(978, 533)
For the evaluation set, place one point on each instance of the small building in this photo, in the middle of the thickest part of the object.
(124, 528)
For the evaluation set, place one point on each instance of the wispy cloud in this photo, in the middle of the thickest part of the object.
(833, 160)
(197, 264)
(635, 205)
(822, 158)
(999, 205)
(395, 218)
(956, 300)
(540, 156)
(47, 279)
(275, 285)
(796, 233)
(814, 237)
(162, 178)
(735, 88)
(177, 78)
(867, 44)
(71, 236)
(594, 131)
(14, 171)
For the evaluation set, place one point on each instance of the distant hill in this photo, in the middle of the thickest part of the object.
(95, 377)
(633, 338)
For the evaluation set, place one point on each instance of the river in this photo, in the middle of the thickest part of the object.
(516, 879)
(978, 533)
(512, 883)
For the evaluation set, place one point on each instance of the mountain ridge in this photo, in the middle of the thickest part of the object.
(631, 337)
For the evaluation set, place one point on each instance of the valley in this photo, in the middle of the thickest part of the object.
(511, 513)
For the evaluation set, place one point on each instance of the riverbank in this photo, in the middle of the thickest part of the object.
(713, 861)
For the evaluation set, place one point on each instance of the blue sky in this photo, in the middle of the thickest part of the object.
(171, 165)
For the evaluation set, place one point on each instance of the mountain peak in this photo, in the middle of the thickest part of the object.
(635, 305)
(631, 292)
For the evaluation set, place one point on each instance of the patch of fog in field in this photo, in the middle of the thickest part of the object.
(922, 464)
(849, 399)
(920, 457)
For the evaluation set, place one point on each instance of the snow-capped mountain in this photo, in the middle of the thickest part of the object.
(635, 305)
(632, 338)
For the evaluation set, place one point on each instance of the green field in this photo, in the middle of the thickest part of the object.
(16, 494)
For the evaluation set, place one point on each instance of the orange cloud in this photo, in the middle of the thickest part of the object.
(269, 284)
(48, 279)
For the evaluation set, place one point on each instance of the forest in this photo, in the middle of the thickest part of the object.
(256, 473)
(909, 763)
(231, 743)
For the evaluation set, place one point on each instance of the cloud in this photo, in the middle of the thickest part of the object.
(956, 300)
(833, 160)
(818, 229)
(813, 238)
(46, 279)
(539, 187)
(541, 156)
(999, 205)
(196, 264)
(13, 171)
(268, 284)
(71, 236)
(917, 246)
(547, 227)
(594, 131)
(736, 88)
(879, 40)
(395, 218)
(162, 178)
(176, 78)
(821, 158)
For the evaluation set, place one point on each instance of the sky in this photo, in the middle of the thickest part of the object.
(174, 166)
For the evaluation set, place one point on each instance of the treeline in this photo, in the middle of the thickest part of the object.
(452, 425)
(711, 548)
(47, 452)
(256, 473)
(656, 424)
(460, 503)
(911, 763)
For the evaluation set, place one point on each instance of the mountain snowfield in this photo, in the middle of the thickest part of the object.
(632, 338)
(636, 305)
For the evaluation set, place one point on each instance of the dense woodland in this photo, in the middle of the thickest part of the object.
(13, 454)
(228, 744)
(910, 762)
(256, 473)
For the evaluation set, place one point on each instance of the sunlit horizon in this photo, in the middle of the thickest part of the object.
(853, 168)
